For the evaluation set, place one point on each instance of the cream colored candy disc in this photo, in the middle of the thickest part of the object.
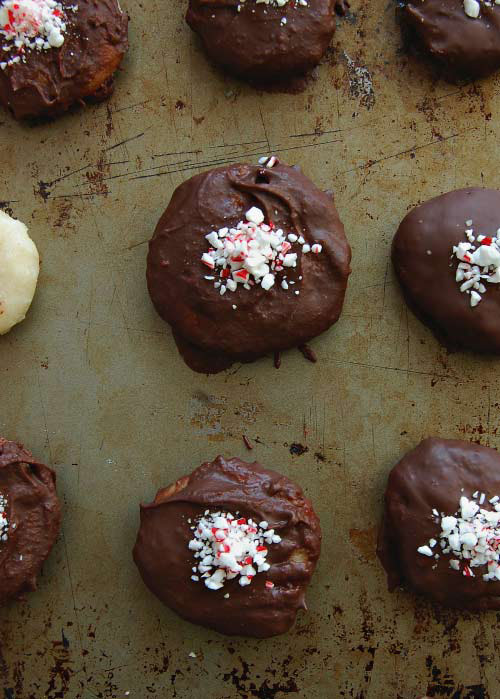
(19, 267)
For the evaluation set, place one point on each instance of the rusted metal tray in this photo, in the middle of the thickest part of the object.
(93, 384)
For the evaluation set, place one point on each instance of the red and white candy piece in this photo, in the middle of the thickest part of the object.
(471, 537)
(4, 522)
(26, 25)
(227, 548)
(252, 253)
(479, 261)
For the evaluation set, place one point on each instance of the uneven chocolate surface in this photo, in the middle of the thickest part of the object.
(428, 281)
(164, 560)
(466, 47)
(82, 69)
(210, 333)
(34, 516)
(432, 476)
(253, 44)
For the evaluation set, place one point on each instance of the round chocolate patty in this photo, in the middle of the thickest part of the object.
(30, 517)
(268, 605)
(52, 80)
(465, 46)
(210, 332)
(263, 42)
(426, 266)
(428, 480)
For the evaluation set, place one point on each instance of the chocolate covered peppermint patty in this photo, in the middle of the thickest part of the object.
(55, 54)
(462, 36)
(441, 529)
(30, 518)
(446, 254)
(246, 261)
(232, 547)
(266, 41)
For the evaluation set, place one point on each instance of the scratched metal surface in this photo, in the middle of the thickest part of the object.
(93, 384)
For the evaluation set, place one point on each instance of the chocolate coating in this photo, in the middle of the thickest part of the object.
(164, 560)
(432, 476)
(428, 281)
(82, 69)
(33, 507)
(253, 44)
(466, 47)
(210, 333)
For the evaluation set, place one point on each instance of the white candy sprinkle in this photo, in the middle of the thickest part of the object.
(472, 8)
(267, 281)
(228, 548)
(472, 535)
(255, 215)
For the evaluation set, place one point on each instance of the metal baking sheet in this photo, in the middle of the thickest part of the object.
(93, 384)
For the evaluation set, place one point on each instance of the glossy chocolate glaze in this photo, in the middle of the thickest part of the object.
(164, 560)
(466, 47)
(210, 333)
(34, 516)
(428, 281)
(82, 69)
(253, 44)
(435, 475)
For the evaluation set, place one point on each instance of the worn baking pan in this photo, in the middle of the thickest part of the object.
(93, 384)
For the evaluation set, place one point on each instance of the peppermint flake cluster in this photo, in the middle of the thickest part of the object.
(479, 262)
(226, 548)
(252, 253)
(471, 537)
(472, 8)
(37, 25)
(4, 522)
(276, 3)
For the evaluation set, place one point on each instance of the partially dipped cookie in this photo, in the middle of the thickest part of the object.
(446, 254)
(54, 54)
(30, 517)
(462, 36)
(232, 547)
(247, 260)
(264, 41)
(441, 529)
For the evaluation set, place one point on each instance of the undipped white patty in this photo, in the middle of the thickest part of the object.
(19, 267)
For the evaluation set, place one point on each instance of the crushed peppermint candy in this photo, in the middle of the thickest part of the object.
(276, 3)
(472, 8)
(471, 537)
(479, 261)
(4, 522)
(252, 253)
(227, 547)
(269, 160)
(36, 25)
